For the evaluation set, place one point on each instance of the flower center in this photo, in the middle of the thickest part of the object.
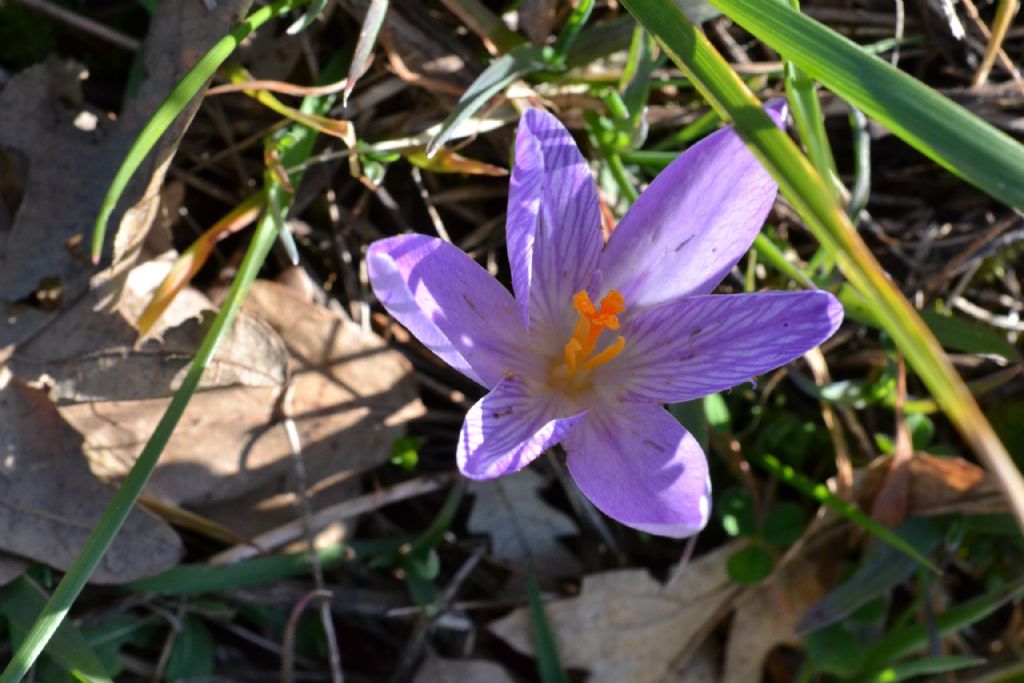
(579, 356)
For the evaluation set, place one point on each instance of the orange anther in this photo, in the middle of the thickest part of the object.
(582, 303)
(613, 303)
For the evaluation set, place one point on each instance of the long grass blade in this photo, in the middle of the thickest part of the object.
(549, 665)
(958, 140)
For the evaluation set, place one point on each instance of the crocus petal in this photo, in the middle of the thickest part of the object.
(553, 228)
(692, 224)
(700, 345)
(509, 427)
(450, 303)
(640, 467)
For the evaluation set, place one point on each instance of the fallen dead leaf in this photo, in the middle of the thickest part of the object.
(50, 502)
(438, 670)
(936, 486)
(230, 457)
(87, 355)
(701, 668)
(626, 626)
(524, 529)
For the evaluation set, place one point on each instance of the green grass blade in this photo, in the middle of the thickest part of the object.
(901, 671)
(495, 78)
(175, 102)
(806, 111)
(549, 664)
(196, 579)
(372, 24)
(22, 601)
(902, 642)
(958, 140)
(850, 511)
(816, 204)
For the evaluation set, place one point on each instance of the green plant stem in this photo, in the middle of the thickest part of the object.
(571, 31)
(124, 499)
(861, 164)
(622, 178)
(816, 204)
(810, 123)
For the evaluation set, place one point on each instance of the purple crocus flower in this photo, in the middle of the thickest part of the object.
(598, 336)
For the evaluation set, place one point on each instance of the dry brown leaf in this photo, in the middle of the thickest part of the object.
(438, 670)
(11, 567)
(524, 529)
(66, 156)
(50, 502)
(936, 486)
(87, 355)
(701, 668)
(625, 626)
(351, 396)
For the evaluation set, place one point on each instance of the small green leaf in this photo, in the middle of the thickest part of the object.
(717, 412)
(192, 653)
(969, 336)
(751, 565)
(835, 650)
(405, 452)
(922, 430)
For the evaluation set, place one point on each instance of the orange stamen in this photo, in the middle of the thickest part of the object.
(610, 352)
(591, 323)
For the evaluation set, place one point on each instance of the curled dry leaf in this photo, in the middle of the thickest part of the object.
(50, 501)
(625, 626)
(230, 456)
(935, 486)
(524, 529)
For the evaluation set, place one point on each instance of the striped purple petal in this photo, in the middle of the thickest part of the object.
(553, 230)
(640, 467)
(509, 427)
(692, 224)
(704, 344)
(451, 304)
